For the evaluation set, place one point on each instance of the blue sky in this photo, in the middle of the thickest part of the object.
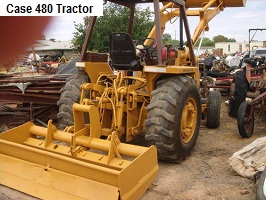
(232, 23)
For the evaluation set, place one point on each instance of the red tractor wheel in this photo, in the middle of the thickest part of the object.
(245, 120)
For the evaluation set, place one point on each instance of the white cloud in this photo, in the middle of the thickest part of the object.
(62, 28)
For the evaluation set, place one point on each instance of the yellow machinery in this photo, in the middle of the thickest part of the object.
(155, 94)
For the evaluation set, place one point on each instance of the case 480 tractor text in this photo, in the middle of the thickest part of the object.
(156, 95)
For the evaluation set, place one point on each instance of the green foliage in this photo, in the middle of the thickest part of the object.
(175, 42)
(79, 34)
(143, 23)
(221, 38)
(166, 37)
(115, 19)
(231, 40)
(206, 42)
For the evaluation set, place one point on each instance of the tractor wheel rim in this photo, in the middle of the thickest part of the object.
(189, 120)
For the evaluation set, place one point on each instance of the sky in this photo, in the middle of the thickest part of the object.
(231, 23)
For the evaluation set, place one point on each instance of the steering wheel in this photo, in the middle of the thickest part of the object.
(145, 48)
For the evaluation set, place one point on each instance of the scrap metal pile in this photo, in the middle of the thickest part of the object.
(28, 98)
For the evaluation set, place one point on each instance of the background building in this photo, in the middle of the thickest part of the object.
(51, 47)
(238, 47)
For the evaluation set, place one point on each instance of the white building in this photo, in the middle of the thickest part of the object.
(238, 47)
(43, 47)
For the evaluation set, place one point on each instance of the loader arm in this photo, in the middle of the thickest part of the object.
(206, 11)
(206, 15)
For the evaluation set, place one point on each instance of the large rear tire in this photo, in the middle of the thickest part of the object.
(240, 93)
(245, 120)
(173, 119)
(213, 109)
(70, 94)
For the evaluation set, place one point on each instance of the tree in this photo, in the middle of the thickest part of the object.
(166, 37)
(221, 38)
(206, 42)
(79, 34)
(231, 40)
(175, 42)
(115, 19)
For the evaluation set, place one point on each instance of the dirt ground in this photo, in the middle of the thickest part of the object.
(206, 174)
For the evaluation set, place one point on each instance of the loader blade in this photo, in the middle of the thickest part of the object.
(53, 171)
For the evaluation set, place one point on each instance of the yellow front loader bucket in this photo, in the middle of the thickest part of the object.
(52, 164)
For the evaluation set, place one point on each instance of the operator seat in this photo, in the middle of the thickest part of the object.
(123, 53)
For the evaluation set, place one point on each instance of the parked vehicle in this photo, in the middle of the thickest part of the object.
(258, 52)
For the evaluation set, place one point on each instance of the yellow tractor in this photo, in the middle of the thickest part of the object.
(141, 88)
